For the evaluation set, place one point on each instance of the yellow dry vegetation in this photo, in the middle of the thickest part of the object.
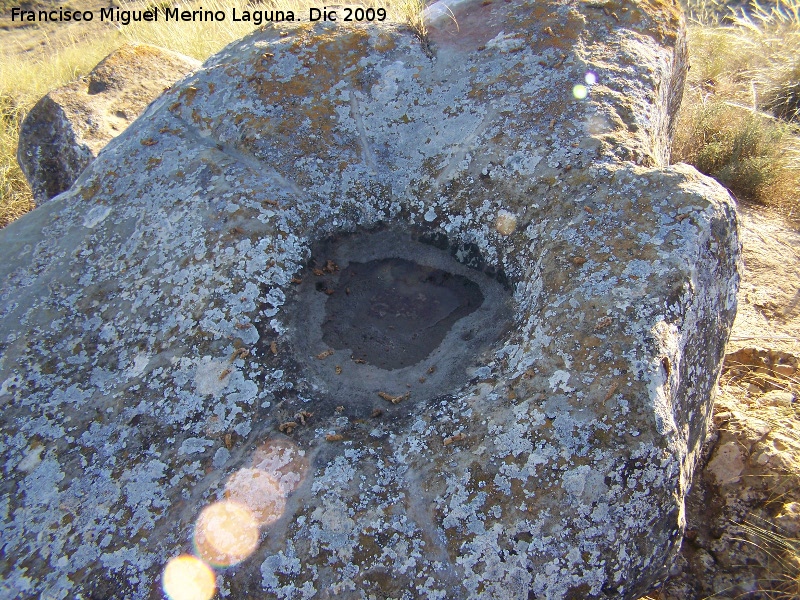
(740, 119)
(26, 76)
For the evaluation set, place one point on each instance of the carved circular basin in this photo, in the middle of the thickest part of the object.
(384, 314)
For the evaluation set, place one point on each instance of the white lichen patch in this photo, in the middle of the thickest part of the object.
(31, 459)
(96, 216)
(212, 376)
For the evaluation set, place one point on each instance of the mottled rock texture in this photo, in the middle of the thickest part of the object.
(147, 337)
(66, 129)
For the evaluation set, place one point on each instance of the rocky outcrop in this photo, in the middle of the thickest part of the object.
(175, 380)
(743, 512)
(66, 129)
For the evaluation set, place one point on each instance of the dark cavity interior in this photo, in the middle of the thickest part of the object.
(385, 319)
(392, 313)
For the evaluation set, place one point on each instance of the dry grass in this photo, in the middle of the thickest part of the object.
(23, 80)
(754, 155)
(15, 196)
(738, 122)
(748, 384)
(196, 39)
(783, 561)
(202, 39)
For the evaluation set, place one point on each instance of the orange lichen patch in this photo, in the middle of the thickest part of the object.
(384, 42)
(198, 119)
(590, 342)
(326, 59)
(668, 17)
(660, 18)
(188, 94)
(90, 191)
(563, 35)
(458, 437)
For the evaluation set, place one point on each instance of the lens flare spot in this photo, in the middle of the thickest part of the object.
(260, 492)
(188, 578)
(226, 533)
(505, 223)
(590, 78)
(580, 91)
(284, 461)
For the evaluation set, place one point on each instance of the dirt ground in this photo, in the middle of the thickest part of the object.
(769, 296)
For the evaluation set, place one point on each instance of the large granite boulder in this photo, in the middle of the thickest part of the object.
(360, 315)
(66, 129)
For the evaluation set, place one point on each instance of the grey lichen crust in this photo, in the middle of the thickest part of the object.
(558, 471)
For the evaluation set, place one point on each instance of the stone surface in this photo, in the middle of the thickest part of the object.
(150, 351)
(66, 129)
(727, 464)
(789, 518)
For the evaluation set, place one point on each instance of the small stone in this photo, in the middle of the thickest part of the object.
(763, 458)
(727, 464)
(721, 417)
(784, 370)
(760, 429)
(782, 398)
(789, 518)
(506, 223)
